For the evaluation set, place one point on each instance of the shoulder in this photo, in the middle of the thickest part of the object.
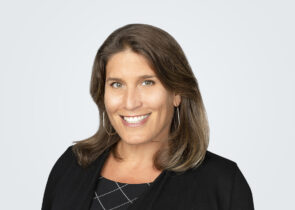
(225, 176)
(216, 181)
(216, 168)
(63, 162)
(67, 157)
(67, 154)
(57, 171)
(218, 163)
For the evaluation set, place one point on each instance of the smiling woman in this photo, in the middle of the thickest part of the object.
(150, 151)
(140, 110)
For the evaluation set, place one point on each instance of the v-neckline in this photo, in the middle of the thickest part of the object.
(95, 169)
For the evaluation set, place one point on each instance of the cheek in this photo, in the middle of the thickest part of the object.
(111, 102)
(159, 100)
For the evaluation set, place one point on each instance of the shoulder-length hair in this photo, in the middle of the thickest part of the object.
(188, 140)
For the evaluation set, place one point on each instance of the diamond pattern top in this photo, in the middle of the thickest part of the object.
(111, 195)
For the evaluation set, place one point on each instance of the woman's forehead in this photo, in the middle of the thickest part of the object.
(128, 64)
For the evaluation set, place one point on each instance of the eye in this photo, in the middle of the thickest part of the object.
(149, 82)
(115, 84)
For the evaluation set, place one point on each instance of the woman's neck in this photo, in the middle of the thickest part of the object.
(138, 155)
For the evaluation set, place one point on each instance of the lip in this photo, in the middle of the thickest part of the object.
(134, 115)
(142, 122)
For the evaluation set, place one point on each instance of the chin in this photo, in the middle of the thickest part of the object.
(133, 141)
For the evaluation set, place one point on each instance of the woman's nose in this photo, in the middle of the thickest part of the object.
(132, 99)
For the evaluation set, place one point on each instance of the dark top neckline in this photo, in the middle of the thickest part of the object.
(102, 177)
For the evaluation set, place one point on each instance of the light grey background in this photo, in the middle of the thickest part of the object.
(242, 53)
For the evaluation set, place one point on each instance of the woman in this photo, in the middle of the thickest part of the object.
(150, 151)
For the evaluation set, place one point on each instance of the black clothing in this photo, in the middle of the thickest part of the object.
(217, 184)
(110, 194)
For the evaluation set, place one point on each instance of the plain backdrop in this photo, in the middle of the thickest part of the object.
(242, 54)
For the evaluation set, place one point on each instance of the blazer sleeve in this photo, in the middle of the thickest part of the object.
(241, 196)
(54, 176)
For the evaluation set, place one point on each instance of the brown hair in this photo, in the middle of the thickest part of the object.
(188, 142)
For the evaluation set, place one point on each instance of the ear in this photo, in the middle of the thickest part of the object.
(176, 100)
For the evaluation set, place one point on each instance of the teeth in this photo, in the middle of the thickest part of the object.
(135, 119)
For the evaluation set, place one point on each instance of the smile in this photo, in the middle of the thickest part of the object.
(135, 121)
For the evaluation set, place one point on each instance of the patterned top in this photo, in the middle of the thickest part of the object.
(111, 195)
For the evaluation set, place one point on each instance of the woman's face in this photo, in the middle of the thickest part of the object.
(139, 107)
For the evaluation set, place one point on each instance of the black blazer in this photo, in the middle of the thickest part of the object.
(217, 184)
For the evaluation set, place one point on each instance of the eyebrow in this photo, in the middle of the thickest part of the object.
(118, 79)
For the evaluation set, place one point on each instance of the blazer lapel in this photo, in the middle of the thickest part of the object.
(93, 172)
(148, 198)
(144, 201)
